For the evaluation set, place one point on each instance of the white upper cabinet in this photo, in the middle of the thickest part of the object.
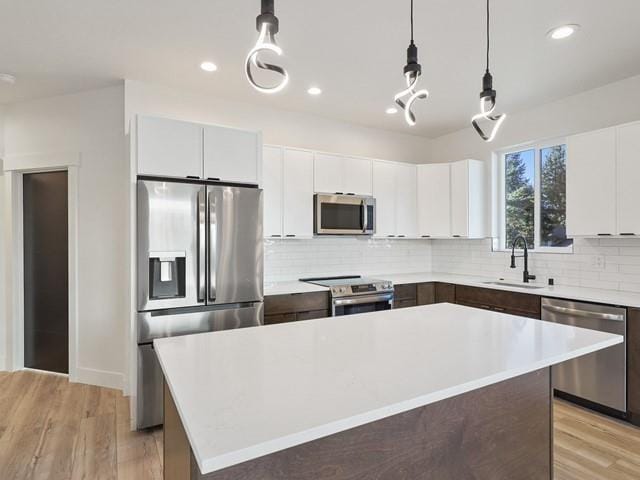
(298, 193)
(273, 191)
(434, 200)
(169, 148)
(338, 174)
(591, 183)
(406, 201)
(357, 176)
(468, 217)
(328, 173)
(628, 179)
(232, 155)
(384, 191)
(394, 188)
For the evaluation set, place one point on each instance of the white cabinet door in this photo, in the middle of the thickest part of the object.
(460, 199)
(328, 171)
(591, 183)
(298, 193)
(272, 186)
(232, 155)
(169, 148)
(628, 179)
(384, 191)
(434, 200)
(406, 201)
(357, 176)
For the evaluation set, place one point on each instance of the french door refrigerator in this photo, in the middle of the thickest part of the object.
(200, 269)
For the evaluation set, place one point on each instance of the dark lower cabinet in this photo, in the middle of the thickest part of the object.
(426, 293)
(445, 293)
(296, 306)
(633, 365)
(523, 304)
(405, 295)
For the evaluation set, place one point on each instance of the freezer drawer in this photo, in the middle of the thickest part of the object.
(150, 382)
(185, 321)
(599, 377)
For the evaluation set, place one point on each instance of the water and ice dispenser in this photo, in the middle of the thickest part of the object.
(166, 275)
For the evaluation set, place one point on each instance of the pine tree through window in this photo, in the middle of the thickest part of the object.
(535, 197)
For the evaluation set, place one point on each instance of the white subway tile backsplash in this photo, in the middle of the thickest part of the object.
(293, 259)
(610, 263)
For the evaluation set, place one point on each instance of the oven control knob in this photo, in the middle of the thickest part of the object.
(343, 289)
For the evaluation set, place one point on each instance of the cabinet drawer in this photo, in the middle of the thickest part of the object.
(313, 314)
(499, 300)
(404, 303)
(297, 302)
(279, 318)
(404, 292)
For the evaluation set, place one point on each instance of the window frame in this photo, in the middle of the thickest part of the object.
(501, 154)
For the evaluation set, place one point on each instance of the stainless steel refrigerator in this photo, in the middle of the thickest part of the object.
(200, 269)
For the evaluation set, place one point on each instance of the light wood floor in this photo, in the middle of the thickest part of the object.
(55, 430)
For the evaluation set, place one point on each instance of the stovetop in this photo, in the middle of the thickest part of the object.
(351, 285)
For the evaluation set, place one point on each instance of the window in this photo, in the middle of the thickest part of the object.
(533, 197)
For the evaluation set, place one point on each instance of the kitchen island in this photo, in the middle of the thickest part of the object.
(433, 392)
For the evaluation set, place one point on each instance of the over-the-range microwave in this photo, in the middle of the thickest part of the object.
(337, 214)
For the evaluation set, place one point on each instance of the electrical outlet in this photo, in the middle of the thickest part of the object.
(597, 261)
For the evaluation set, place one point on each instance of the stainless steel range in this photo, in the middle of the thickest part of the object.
(356, 294)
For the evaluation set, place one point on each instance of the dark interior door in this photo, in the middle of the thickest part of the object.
(46, 273)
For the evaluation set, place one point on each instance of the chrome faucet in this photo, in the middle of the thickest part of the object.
(525, 274)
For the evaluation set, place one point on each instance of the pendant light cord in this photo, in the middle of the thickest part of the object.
(487, 35)
(412, 22)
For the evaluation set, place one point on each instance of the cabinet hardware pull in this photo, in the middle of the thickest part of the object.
(350, 193)
(604, 234)
(215, 179)
(194, 177)
(425, 236)
(289, 235)
(628, 234)
(339, 193)
(401, 236)
(391, 236)
(456, 236)
(276, 236)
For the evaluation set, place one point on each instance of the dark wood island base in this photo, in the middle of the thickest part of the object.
(499, 432)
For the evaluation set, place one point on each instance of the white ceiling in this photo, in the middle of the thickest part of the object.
(354, 50)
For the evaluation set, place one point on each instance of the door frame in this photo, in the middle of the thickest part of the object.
(15, 167)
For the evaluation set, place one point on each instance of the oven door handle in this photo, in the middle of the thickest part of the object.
(387, 297)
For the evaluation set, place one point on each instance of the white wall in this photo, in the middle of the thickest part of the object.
(609, 105)
(89, 124)
(279, 127)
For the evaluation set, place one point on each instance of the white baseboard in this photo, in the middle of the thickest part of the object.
(3, 365)
(100, 378)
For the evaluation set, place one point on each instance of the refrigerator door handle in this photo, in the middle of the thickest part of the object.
(202, 245)
(213, 257)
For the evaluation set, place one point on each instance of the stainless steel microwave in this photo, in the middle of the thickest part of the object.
(344, 214)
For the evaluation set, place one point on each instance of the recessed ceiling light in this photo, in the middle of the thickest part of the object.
(314, 91)
(563, 31)
(208, 66)
(391, 111)
(7, 78)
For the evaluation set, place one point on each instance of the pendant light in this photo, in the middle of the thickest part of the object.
(267, 25)
(488, 101)
(412, 72)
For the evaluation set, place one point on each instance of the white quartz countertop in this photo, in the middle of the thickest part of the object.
(242, 394)
(611, 297)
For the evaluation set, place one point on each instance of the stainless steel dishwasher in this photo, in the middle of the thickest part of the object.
(599, 377)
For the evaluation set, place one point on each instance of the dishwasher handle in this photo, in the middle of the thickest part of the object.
(584, 313)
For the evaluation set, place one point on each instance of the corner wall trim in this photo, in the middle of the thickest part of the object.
(99, 378)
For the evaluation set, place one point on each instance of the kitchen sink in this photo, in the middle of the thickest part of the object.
(517, 285)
